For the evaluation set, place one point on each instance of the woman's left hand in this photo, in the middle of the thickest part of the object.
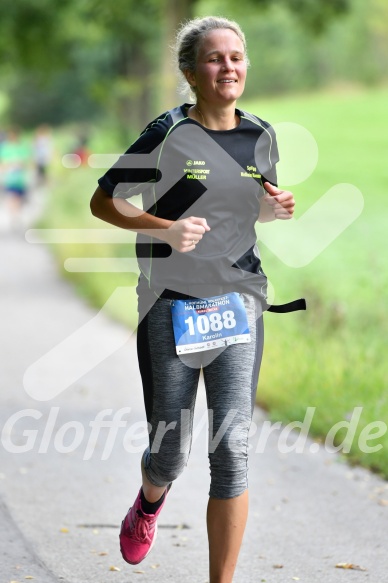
(281, 201)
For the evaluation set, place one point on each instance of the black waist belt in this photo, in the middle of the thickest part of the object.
(290, 307)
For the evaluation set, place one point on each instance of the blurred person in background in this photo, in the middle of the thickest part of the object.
(3, 136)
(43, 151)
(15, 159)
(81, 149)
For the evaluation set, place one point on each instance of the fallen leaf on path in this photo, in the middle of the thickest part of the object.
(296, 578)
(383, 502)
(350, 566)
(102, 554)
(64, 530)
(277, 566)
(29, 577)
(155, 566)
(112, 568)
(139, 572)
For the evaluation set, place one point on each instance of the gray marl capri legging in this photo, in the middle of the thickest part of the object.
(170, 386)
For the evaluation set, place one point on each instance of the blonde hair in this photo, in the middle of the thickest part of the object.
(190, 36)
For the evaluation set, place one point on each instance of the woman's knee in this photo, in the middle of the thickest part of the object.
(161, 470)
(228, 470)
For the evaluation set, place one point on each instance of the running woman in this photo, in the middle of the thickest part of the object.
(206, 172)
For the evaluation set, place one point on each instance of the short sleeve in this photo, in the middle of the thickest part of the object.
(137, 167)
(267, 154)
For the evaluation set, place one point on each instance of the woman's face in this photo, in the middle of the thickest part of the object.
(221, 68)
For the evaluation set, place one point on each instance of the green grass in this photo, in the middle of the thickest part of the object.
(332, 356)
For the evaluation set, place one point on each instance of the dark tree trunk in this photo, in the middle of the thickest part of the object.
(134, 104)
(175, 12)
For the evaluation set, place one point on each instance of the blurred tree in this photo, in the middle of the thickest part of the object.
(132, 31)
(79, 59)
(44, 64)
(31, 34)
(173, 14)
(316, 16)
(106, 50)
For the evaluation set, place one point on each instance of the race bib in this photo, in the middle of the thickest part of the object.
(204, 324)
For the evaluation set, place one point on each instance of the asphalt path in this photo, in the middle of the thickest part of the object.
(66, 481)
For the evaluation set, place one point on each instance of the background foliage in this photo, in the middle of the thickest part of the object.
(83, 60)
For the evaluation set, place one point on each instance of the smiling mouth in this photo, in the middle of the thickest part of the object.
(227, 81)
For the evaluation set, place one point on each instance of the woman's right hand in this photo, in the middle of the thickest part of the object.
(184, 234)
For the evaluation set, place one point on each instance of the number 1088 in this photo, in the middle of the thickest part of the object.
(215, 322)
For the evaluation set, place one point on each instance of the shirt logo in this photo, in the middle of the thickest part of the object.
(195, 162)
(251, 172)
(195, 173)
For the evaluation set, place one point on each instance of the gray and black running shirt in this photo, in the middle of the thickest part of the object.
(183, 169)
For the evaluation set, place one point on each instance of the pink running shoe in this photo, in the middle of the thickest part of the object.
(138, 532)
